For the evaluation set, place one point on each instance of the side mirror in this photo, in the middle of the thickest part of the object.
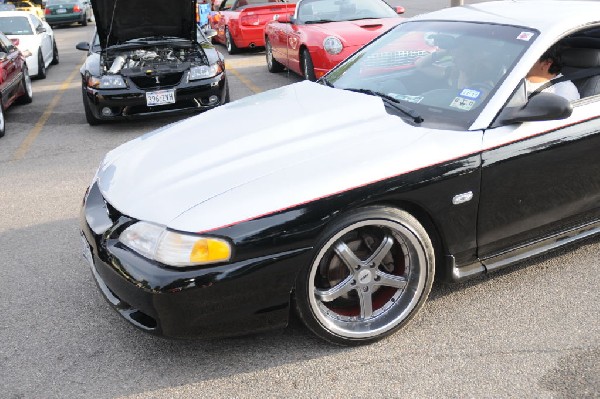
(284, 18)
(541, 107)
(40, 29)
(399, 10)
(83, 46)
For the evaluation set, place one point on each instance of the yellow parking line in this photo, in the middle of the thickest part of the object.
(37, 128)
(243, 79)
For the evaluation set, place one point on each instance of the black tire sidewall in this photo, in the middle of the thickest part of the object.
(89, 115)
(308, 64)
(41, 65)
(229, 43)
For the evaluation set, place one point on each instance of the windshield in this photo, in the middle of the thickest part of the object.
(445, 72)
(319, 11)
(15, 26)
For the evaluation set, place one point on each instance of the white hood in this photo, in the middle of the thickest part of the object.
(266, 153)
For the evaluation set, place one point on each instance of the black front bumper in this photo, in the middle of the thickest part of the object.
(224, 300)
(192, 96)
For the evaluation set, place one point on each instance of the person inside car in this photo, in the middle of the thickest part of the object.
(547, 68)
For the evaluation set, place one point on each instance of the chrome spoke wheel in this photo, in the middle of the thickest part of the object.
(369, 277)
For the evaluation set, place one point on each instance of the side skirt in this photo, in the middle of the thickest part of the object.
(524, 252)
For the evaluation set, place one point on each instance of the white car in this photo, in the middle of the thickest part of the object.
(29, 33)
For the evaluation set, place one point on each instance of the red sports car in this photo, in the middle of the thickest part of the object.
(240, 23)
(15, 83)
(322, 33)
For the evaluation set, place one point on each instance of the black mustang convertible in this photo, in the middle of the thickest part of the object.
(422, 155)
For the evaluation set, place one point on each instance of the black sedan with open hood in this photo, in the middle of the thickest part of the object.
(149, 57)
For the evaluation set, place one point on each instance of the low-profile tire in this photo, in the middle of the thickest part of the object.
(27, 97)
(55, 57)
(227, 96)
(273, 65)
(308, 69)
(2, 120)
(89, 115)
(41, 66)
(229, 43)
(372, 271)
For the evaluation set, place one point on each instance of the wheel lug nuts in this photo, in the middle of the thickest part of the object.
(353, 282)
(365, 289)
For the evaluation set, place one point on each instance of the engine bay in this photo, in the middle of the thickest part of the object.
(151, 60)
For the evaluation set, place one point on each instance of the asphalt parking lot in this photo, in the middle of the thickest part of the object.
(528, 331)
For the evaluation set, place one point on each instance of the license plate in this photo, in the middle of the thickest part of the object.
(87, 251)
(61, 11)
(161, 97)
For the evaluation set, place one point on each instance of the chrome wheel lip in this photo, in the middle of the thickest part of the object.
(394, 311)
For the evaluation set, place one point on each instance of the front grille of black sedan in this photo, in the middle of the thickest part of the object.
(149, 82)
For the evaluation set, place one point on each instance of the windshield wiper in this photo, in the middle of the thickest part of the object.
(326, 82)
(319, 21)
(392, 102)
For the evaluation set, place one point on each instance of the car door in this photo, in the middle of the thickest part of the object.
(539, 179)
(44, 36)
(5, 68)
(279, 37)
(10, 70)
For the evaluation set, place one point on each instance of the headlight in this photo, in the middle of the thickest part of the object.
(107, 82)
(204, 71)
(333, 45)
(174, 249)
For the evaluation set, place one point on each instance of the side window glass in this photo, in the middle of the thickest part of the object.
(36, 22)
(519, 98)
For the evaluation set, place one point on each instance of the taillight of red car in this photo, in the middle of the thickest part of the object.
(250, 20)
(76, 8)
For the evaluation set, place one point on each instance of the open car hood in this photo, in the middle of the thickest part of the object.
(118, 21)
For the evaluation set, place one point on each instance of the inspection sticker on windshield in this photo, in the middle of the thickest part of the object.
(526, 36)
(470, 93)
(406, 97)
(462, 104)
